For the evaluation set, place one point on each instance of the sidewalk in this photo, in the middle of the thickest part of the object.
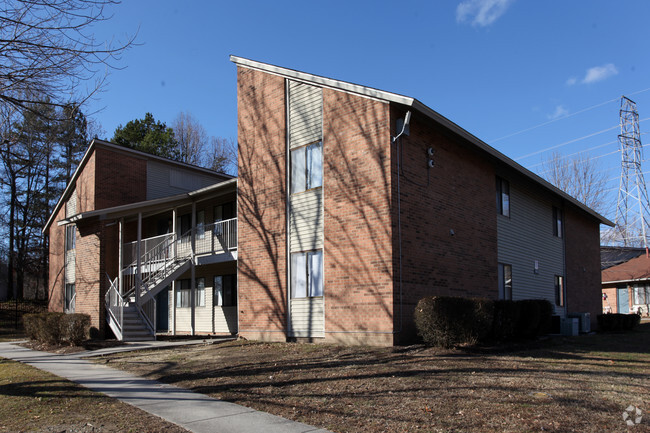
(194, 412)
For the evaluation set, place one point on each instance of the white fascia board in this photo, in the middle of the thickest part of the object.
(631, 280)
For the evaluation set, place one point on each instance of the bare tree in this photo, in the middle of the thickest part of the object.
(222, 156)
(47, 52)
(191, 138)
(579, 176)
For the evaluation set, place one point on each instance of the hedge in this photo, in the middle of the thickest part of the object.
(447, 321)
(617, 322)
(57, 328)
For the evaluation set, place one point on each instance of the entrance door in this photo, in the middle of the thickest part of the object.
(162, 310)
(623, 300)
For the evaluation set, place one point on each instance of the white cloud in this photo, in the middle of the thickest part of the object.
(599, 73)
(560, 111)
(571, 81)
(481, 12)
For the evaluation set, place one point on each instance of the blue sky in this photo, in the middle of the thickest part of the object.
(494, 67)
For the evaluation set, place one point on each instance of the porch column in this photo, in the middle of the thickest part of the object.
(192, 269)
(120, 259)
(138, 277)
(174, 253)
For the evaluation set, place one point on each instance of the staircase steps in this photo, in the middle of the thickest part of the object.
(133, 328)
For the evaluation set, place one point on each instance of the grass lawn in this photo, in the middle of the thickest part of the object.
(33, 400)
(563, 384)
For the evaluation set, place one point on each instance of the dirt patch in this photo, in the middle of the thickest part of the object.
(563, 384)
(66, 348)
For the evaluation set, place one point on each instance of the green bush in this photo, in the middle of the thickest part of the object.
(617, 322)
(534, 318)
(75, 328)
(447, 321)
(506, 318)
(56, 328)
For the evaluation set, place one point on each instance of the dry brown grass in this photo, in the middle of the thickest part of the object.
(580, 384)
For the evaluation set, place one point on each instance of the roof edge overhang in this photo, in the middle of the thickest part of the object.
(158, 204)
(630, 280)
(84, 160)
(422, 108)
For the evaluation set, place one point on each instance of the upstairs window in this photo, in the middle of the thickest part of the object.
(307, 167)
(505, 281)
(503, 197)
(558, 222)
(70, 235)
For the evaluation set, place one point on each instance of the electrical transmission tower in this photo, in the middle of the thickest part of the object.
(632, 209)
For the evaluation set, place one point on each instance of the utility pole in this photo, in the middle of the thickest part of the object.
(632, 207)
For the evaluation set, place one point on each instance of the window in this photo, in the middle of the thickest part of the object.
(225, 211)
(184, 224)
(70, 234)
(70, 298)
(307, 274)
(559, 290)
(641, 295)
(200, 292)
(307, 167)
(505, 281)
(557, 222)
(225, 290)
(503, 197)
(200, 224)
(183, 293)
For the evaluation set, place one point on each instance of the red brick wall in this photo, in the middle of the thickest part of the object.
(119, 179)
(56, 283)
(583, 284)
(457, 194)
(261, 205)
(358, 255)
(88, 264)
(611, 304)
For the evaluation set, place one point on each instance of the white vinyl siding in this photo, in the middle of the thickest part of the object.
(305, 113)
(71, 205)
(306, 147)
(70, 253)
(308, 317)
(306, 220)
(526, 239)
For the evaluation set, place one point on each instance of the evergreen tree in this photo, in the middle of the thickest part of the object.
(148, 135)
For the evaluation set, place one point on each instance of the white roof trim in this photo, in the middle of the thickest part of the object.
(419, 106)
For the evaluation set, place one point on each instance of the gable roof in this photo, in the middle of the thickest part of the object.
(612, 256)
(637, 269)
(95, 143)
(413, 103)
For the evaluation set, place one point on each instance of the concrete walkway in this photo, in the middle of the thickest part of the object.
(194, 412)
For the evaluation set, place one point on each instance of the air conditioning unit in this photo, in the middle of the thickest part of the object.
(584, 320)
(569, 326)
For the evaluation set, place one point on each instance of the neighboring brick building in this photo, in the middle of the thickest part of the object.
(343, 227)
(626, 286)
(351, 205)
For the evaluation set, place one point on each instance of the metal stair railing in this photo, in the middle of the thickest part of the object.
(115, 308)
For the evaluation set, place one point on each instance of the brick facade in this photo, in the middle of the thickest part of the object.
(261, 205)
(583, 284)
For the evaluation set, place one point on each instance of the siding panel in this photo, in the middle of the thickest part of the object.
(306, 220)
(305, 114)
(308, 317)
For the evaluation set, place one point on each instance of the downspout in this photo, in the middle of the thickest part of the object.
(289, 329)
(407, 119)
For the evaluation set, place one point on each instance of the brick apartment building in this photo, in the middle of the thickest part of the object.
(351, 204)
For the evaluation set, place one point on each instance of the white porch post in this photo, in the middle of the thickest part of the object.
(192, 270)
(120, 251)
(138, 277)
(173, 300)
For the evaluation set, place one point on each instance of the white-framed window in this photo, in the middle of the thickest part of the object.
(200, 224)
(558, 222)
(307, 274)
(70, 298)
(225, 290)
(307, 167)
(200, 292)
(503, 197)
(183, 293)
(70, 235)
(559, 290)
(505, 281)
(641, 295)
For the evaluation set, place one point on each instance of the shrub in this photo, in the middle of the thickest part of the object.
(75, 328)
(534, 318)
(447, 321)
(506, 318)
(56, 328)
(617, 322)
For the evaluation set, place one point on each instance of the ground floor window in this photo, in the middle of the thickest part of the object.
(559, 290)
(70, 297)
(225, 290)
(641, 295)
(183, 293)
(200, 292)
(307, 274)
(505, 281)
